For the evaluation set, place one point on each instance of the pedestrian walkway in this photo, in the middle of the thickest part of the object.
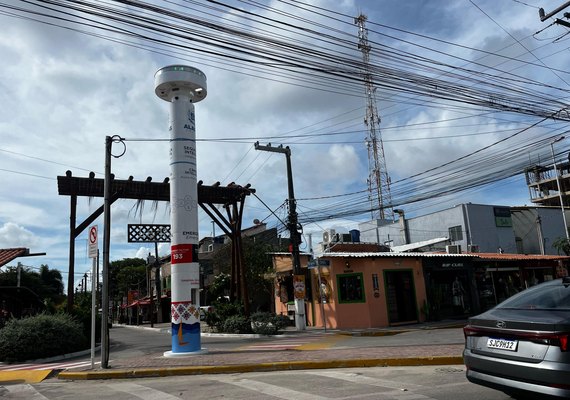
(45, 366)
(313, 348)
(309, 349)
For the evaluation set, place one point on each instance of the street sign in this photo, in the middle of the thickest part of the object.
(322, 263)
(93, 241)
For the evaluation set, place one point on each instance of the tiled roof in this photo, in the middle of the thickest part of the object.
(517, 257)
(481, 256)
(392, 254)
(7, 255)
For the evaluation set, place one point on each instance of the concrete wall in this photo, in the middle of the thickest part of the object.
(374, 312)
(479, 226)
(527, 229)
(484, 230)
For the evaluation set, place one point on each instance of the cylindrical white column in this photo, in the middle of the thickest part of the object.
(182, 86)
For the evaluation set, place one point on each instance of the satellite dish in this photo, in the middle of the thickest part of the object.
(256, 221)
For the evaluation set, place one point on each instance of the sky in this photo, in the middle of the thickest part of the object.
(67, 84)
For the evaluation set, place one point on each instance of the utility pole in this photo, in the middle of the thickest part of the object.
(106, 249)
(544, 16)
(295, 230)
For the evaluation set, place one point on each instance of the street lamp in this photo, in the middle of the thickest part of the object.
(558, 185)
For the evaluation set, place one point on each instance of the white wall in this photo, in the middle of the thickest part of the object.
(478, 227)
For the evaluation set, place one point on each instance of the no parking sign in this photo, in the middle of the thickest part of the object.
(93, 241)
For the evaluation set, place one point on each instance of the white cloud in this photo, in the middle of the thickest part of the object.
(13, 235)
(63, 92)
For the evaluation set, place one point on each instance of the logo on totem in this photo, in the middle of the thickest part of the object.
(187, 203)
(191, 116)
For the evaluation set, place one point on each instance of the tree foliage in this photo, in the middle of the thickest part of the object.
(562, 245)
(126, 274)
(47, 284)
(258, 265)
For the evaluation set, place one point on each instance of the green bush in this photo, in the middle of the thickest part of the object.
(41, 336)
(237, 324)
(265, 323)
(222, 311)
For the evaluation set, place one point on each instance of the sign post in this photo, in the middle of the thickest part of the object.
(93, 251)
(317, 264)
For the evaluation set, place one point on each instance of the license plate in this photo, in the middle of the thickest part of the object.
(502, 344)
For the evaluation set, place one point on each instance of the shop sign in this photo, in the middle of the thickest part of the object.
(452, 265)
(299, 286)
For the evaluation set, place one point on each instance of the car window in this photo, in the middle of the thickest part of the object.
(550, 296)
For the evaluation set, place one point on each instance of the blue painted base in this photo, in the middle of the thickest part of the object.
(186, 338)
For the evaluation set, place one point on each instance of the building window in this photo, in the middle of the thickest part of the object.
(350, 288)
(455, 233)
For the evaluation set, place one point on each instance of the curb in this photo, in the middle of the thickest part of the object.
(277, 366)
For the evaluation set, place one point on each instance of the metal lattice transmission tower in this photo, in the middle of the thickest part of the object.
(378, 179)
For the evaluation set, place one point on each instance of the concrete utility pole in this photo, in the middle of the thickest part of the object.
(106, 250)
(559, 187)
(295, 230)
(544, 16)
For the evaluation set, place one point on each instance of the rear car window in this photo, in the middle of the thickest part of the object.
(553, 295)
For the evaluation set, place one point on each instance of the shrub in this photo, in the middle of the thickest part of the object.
(41, 336)
(265, 323)
(222, 311)
(237, 324)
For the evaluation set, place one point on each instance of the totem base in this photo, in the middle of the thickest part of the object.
(171, 354)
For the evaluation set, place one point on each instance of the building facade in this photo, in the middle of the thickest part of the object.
(361, 289)
(475, 228)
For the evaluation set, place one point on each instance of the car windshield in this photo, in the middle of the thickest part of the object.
(546, 296)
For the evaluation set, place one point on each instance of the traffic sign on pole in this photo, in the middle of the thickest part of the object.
(93, 242)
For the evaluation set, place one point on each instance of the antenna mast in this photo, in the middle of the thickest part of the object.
(378, 179)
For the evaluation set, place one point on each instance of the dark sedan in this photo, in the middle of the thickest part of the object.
(521, 346)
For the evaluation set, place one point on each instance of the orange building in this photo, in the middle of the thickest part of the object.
(355, 289)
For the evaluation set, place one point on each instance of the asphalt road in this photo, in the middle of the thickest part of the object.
(129, 341)
(390, 383)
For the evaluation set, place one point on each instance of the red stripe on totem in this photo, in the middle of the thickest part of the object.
(181, 253)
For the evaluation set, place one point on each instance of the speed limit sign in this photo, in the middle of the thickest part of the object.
(93, 241)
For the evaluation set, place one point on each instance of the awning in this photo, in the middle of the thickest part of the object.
(141, 302)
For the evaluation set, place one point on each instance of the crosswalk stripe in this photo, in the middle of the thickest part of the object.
(43, 367)
(25, 391)
(19, 367)
(269, 389)
(361, 379)
(142, 392)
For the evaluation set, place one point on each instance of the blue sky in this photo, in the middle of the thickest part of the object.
(62, 92)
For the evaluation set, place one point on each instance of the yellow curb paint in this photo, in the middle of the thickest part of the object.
(276, 366)
(325, 343)
(25, 376)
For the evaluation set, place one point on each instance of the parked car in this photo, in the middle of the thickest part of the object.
(521, 346)
(204, 310)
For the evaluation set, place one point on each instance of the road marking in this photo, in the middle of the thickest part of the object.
(14, 367)
(23, 376)
(405, 395)
(25, 392)
(364, 380)
(142, 392)
(42, 367)
(268, 389)
(309, 342)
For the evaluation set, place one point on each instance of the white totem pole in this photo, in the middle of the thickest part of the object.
(182, 86)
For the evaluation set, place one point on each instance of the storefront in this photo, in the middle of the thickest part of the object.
(450, 292)
(379, 289)
(499, 276)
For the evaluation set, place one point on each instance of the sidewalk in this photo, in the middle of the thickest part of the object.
(333, 351)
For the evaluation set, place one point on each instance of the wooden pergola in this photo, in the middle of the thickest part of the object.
(231, 197)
